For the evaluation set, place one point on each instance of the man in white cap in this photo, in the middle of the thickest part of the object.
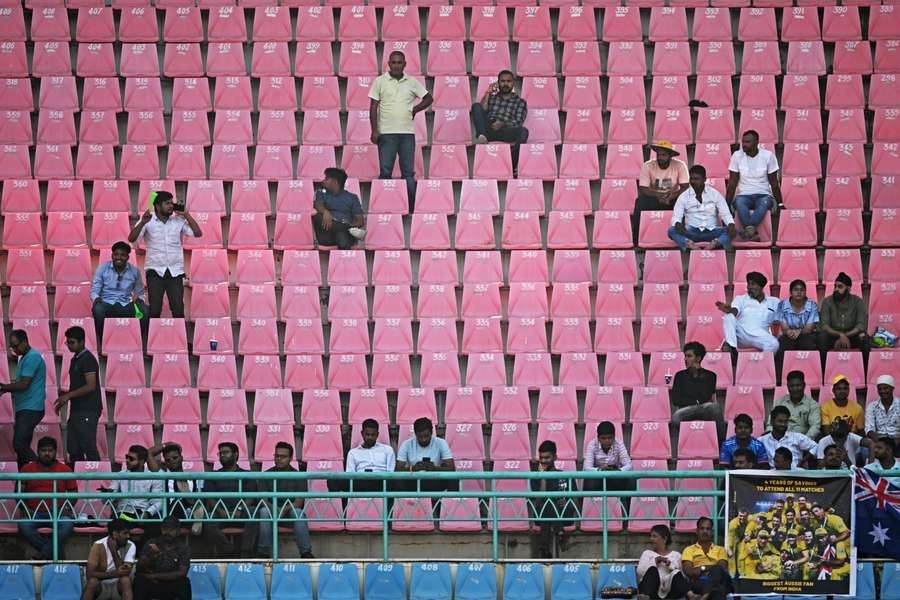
(883, 416)
(661, 182)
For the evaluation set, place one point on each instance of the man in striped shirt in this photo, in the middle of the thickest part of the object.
(606, 453)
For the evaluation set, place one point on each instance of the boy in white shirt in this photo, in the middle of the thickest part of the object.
(753, 184)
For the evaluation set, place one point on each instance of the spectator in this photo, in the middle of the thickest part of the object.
(173, 462)
(843, 319)
(289, 509)
(697, 213)
(606, 453)
(743, 458)
(40, 509)
(117, 289)
(753, 184)
(847, 441)
(230, 509)
(660, 183)
(426, 452)
(884, 452)
(370, 456)
(883, 416)
(162, 230)
(743, 439)
(145, 509)
(391, 112)
(805, 417)
(783, 459)
(705, 564)
(338, 219)
(749, 317)
(83, 398)
(500, 115)
(109, 563)
(29, 395)
(163, 566)
(834, 458)
(694, 391)
(659, 568)
(552, 510)
(799, 318)
(842, 407)
(780, 437)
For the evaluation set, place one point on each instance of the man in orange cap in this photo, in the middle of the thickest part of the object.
(661, 182)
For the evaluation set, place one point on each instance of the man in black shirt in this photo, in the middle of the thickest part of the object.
(693, 392)
(83, 398)
(291, 507)
(551, 509)
(163, 566)
(229, 510)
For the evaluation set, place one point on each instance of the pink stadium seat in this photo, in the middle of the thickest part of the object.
(146, 127)
(356, 58)
(272, 24)
(99, 127)
(806, 58)
(745, 399)
(531, 23)
(649, 405)
(21, 196)
(536, 58)
(402, 23)
(843, 228)
(226, 24)
(187, 436)
(488, 57)
(124, 369)
(698, 439)
(887, 56)
(135, 405)
(882, 23)
(412, 515)
(720, 364)
(852, 57)
(122, 335)
(568, 194)
(22, 230)
(139, 60)
(797, 228)
(664, 365)
(715, 58)
(651, 440)
(226, 432)
(138, 24)
(143, 93)
(882, 232)
(273, 162)
(757, 92)
(18, 96)
(746, 261)
(13, 23)
(845, 91)
(882, 362)
(614, 334)
(848, 125)
(53, 161)
(805, 361)
(715, 125)
(510, 441)
(850, 262)
(659, 333)
(233, 93)
(756, 368)
(51, 58)
(885, 159)
(706, 266)
(182, 405)
(317, 24)
(616, 266)
(488, 23)
(391, 371)
(583, 92)
(170, 370)
(15, 63)
(357, 23)
(303, 335)
(566, 229)
(226, 59)
(798, 264)
(578, 369)
(612, 229)
(15, 126)
(270, 59)
(886, 126)
(280, 94)
(799, 91)
(183, 60)
(841, 23)
(849, 364)
(130, 434)
(671, 59)
(757, 24)
(800, 192)
(802, 125)
(109, 227)
(800, 24)
(166, 336)
(492, 161)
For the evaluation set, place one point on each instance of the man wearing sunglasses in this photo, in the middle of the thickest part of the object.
(117, 290)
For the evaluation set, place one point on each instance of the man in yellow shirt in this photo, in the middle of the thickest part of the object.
(828, 561)
(761, 559)
(738, 529)
(842, 407)
(793, 556)
(706, 565)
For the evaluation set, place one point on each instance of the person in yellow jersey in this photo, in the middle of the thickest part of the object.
(842, 406)
(793, 556)
(762, 559)
(827, 561)
(738, 528)
(832, 523)
(706, 565)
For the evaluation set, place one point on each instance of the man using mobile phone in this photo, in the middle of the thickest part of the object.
(500, 115)
(426, 452)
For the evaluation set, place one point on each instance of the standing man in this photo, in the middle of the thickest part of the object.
(753, 177)
(883, 415)
(83, 398)
(661, 181)
(693, 391)
(549, 511)
(805, 416)
(500, 115)
(162, 231)
(338, 219)
(117, 289)
(163, 566)
(843, 319)
(391, 110)
(288, 509)
(28, 394)
(109, 562)
(40, 509)
(748, 318)
(697, 213)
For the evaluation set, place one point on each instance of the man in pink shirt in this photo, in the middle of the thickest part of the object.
(661, 182)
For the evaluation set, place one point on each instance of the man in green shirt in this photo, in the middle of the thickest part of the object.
(805, 416)
(28, 394)
(843, 318)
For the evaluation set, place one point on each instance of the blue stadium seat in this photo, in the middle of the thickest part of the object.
(206, 583)
(524, 581)
(616, 576)
(60, 582)
(245, 581)
(476, 581)
(570, 582)
(16, 582)
(291, 582)
(385, 581)
(890, 581)
(338, 581)
(430, 581)
(865, 581)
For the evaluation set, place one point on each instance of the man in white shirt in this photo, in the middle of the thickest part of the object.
(753, 184)
(884, 452)
(109, 562)
(162, 231)
(370, 456)
(697, 213)
(780, 437)
(846, 440)
(748, 318)
(883, 415)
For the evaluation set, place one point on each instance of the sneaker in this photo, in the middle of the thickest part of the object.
(481, 139)
(357, 232)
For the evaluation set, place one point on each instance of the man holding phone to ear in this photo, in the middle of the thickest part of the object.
(162, 227)
(500, 115)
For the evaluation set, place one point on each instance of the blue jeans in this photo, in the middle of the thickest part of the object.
(699, 235)
(301, 531)
(402, 147)
(44, 544)
(751, 208)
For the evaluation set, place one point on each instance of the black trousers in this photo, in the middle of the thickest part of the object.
(81, 437)
(613, 485)
(649, 585)
(804, 341)
(826, 342)
(170, 285)
(338, 235)
(510, 135)
(717, 584)
(640, 205)
(176, 589)
(23, 432)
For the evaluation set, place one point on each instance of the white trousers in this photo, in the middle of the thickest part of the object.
(737, 337)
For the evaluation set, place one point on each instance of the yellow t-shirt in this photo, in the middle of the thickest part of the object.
(699, 558)
(852, 413)
(396, 98)
(834, 524)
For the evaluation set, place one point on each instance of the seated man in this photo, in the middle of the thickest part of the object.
(338, 220)
(173, 462)
(782, 459)
(118, 290)
(370, 456)
(40, 509)
(425, 452)
(230, 509)
(162, 570)
(749, 317)
(145, 509)
(883, 451)
(706, 565)
(500, 115)
(743, 439)
(846, 441)
(290, 509)
(109, 562)
(606, 453)
(661, 181)
(798, 444)
(694, 391)
(753, 184)
(842, 407)
(843, 319)
(548, 512)
(883, 416)
(743, 458)
(805, 412)
(697, 213)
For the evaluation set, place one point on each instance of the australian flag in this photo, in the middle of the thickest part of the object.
(877, 516)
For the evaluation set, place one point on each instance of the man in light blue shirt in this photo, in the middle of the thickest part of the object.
(425, 452)
(28, 394)
(117, 289)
